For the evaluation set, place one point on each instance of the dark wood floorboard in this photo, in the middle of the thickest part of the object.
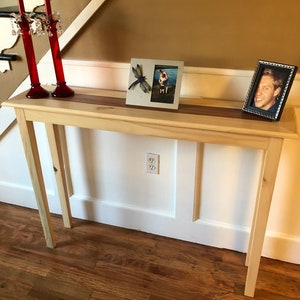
(95, 261)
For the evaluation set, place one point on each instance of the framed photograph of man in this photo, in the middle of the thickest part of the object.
(269, 89)
(154, 83)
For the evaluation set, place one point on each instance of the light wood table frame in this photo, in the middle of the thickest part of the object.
(92, 110)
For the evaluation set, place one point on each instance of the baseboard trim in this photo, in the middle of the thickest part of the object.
(205, 232)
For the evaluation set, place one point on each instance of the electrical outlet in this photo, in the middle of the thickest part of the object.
(152, 163)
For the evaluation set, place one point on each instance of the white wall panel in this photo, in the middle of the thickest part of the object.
(230, 176)
(111, 167)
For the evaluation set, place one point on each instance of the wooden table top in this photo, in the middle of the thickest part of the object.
(202, 115)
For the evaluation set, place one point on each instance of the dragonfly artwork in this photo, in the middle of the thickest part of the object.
(141, 79)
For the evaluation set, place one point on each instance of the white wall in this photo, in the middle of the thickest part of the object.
(111, 186)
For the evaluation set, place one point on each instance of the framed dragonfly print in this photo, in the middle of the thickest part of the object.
(269, 89)
(154, 83)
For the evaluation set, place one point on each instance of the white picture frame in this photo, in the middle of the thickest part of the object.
(154, 83)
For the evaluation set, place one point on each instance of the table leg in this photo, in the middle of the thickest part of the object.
(59, 170)
(65, 155)
(250, 243)
(268, 177)
(34, 164)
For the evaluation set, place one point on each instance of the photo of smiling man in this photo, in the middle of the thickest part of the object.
(268, 90)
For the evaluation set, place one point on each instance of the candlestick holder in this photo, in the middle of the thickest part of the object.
(62, 90)
(23, 22)
(41, 23)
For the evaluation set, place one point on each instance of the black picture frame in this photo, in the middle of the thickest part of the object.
(269, 89)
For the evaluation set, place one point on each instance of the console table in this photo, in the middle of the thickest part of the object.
(102, 110)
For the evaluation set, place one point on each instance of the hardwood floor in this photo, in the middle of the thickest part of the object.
(96, 261)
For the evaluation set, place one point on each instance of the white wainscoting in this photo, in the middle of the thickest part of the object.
(110, 184)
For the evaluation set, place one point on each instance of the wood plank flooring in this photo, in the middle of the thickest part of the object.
(96, 261)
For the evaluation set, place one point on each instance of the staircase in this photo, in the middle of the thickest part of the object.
(6, 40)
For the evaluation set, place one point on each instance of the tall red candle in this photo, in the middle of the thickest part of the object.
(36, 90)
(62, 90)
